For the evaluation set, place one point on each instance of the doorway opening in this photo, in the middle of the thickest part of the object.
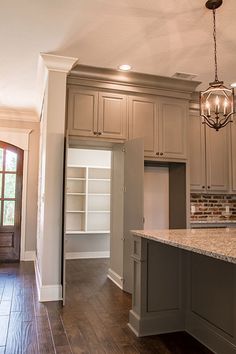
(11, 173)
(88, 177)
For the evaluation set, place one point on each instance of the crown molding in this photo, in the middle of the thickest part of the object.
(23, 115)
(48, 63)
(58, 63)
(127, 80)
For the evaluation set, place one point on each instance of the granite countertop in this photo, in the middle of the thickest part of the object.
(216, 243)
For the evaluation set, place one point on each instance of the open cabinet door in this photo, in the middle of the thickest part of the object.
(133, 202)
(66, 147)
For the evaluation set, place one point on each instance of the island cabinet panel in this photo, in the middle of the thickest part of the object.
(162, 125)
(172, 128)
(97, 114)
(233, 155)
(112, 122)
(217, 159)
(143, 123)
(82, 112)
(216, 308)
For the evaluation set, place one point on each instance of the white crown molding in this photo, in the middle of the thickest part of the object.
(46, 63)
(22, 115)
(58, 63)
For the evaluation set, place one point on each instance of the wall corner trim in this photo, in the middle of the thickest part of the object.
(46, 292)
(28, 256)
(115, 278)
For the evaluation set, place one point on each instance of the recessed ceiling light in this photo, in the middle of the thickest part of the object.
(125, 67)
(233, 84)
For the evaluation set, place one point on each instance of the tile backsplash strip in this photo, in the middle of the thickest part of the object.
(212, 207)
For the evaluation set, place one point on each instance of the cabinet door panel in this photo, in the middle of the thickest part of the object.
(143, 123)
(112, 121)
(82, 112)
(217, 159)
(197, 153)
(172, 130)
(233, 154)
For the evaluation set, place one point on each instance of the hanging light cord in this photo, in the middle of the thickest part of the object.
(214, 36)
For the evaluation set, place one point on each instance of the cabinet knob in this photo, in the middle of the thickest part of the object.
(157, 153)
(161, 153)
(99, 133)
(208, 187)
(94, 133)
(203, 187)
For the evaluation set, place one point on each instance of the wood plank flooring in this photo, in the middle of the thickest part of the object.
(93, 321)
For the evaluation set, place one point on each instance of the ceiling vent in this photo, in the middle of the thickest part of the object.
(184, 76)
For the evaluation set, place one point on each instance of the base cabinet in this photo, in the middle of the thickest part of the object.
(97, 114)
(209, 157)
(162, 123)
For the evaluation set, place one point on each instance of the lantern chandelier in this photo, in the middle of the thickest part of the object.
(217, 102)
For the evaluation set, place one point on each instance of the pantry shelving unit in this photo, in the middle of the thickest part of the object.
(88, 200)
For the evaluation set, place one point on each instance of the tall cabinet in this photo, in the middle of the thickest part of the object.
(162, 123)
(209, 157)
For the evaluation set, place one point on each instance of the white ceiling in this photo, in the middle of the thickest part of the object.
(154, 36)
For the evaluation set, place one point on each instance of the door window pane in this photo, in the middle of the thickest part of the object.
(10, 186)
(1, 159)
(0, 185)
(11, 161)
(8, 212)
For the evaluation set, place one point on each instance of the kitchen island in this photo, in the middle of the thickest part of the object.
(185, 280)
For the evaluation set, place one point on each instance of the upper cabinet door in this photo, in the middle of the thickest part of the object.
(82, 112)
(197, 153)
(172, 128)
(112, 121)
(233, 154)
(217, 159)
(143, 123)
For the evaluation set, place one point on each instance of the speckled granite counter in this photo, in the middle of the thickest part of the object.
(185, 280)
(216, 243)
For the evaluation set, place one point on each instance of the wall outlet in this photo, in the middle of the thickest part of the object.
(227, 209)
(193, 209)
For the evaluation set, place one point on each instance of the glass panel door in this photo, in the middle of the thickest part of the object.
(11, 159)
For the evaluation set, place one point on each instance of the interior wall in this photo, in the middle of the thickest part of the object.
(156, 197)
(88, 245)
(33, 162)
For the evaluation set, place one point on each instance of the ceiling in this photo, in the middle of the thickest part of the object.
(154, 36)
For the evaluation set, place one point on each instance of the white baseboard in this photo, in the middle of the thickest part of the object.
(28, 256)
(86, 255)
(116, 278)
(46, 292)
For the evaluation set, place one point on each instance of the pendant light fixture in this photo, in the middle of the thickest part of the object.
(217, 102)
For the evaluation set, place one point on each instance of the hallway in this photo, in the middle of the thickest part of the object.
(93, 320)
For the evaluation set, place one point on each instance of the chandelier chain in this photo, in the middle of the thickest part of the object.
(215, 49)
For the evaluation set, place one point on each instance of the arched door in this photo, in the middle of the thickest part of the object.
(11, 170)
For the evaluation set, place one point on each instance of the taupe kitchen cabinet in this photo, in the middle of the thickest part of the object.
(233, 154)
(97, 114)
(209, 157)
(161, 122)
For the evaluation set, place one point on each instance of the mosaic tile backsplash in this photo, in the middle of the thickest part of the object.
(212, 207)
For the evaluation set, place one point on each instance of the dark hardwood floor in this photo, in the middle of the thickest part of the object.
(93, 321)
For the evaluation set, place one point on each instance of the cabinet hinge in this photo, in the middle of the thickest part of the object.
(123, 149)
(124, 189)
